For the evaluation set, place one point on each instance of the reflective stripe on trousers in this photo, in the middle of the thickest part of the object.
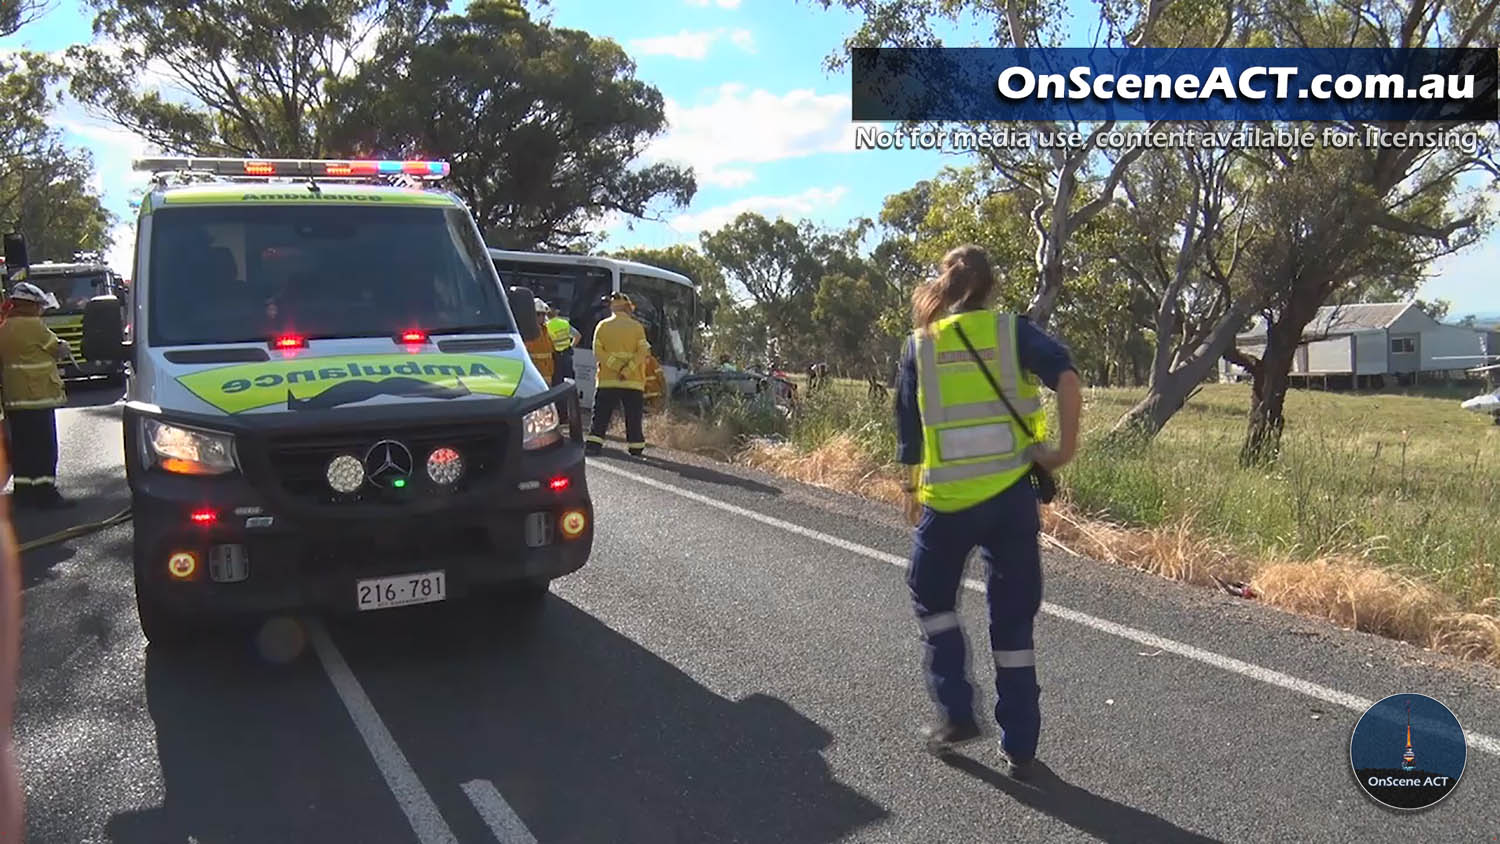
(940, 622)
(1015, 659)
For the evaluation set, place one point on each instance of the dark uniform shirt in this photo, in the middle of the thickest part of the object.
(1045, 357)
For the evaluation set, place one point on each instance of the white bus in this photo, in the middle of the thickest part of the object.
(665, 303)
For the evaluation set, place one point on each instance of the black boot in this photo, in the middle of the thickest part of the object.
(1019, 769)
(48, 498)
(950, 735)
(23, 496)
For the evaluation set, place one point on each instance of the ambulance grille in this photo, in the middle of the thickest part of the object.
(300, 462)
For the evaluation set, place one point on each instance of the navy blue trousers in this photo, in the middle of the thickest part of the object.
(1005, 529)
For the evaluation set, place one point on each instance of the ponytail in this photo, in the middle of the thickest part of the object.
(965, 282)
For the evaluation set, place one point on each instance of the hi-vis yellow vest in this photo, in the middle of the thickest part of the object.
(972, 448)
(561, 333)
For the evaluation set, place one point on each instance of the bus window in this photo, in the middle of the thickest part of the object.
(575, 291)
(644, 292)
(678, 310)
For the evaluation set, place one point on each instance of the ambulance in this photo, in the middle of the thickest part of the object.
(330, 406)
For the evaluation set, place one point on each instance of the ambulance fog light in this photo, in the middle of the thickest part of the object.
(445, 466)
(573, 523)
(182, 565)
(345, 473)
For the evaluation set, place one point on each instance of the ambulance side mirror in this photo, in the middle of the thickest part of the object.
(523, 308)
(104, 330)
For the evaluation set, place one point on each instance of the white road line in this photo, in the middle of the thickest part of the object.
(501, 818)
(420, 810)
(1480, 741)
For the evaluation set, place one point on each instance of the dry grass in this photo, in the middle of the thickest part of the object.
(692, 437)
(838, 463)
(1349, 590)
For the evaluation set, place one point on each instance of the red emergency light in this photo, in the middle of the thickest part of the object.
(559, 483)
(289, 341)
(260, 168)
(414, 336)
(204, 517)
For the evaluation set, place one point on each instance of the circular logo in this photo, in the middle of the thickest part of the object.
(1408, 752)
(573, 522)
(387, 463)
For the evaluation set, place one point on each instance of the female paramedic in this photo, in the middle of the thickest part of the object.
(974, 454)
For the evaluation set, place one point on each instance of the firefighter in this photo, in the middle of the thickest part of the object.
(540, 348)
(620, 350)
(32, 391)
(972, 460)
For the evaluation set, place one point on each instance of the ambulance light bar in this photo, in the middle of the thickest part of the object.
(292, 167)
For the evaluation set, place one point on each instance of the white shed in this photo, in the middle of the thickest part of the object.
(1359, 344)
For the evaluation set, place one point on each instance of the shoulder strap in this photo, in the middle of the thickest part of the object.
(990, 378)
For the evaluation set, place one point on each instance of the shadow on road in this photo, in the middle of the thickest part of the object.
(691, 472)
(1083, 810)
(251, 751)
(99, 495)
(591, 737)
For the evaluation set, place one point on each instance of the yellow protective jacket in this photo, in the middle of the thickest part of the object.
(655, 382)
(540, 350)
(620, 349)
(28, 365)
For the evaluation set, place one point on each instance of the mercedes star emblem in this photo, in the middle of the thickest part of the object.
(387, 462)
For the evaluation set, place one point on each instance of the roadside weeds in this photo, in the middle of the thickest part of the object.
(1339, 587)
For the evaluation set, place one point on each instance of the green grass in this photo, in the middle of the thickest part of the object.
(1407, 481)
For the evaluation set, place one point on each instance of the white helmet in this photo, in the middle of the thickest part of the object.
(28, 292)
(541, 307)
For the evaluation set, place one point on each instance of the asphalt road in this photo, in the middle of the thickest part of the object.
(737, 662)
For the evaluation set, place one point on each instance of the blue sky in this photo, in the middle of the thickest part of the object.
(765, 126)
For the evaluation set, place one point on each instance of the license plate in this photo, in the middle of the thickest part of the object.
(382, 592)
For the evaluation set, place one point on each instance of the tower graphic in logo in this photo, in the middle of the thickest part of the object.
(1408, 759)
(1397, 780)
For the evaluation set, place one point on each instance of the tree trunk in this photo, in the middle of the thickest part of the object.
(1169, 388)
(1165, 396)
(1268, 393)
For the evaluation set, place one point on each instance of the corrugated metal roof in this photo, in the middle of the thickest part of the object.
(1333, 320)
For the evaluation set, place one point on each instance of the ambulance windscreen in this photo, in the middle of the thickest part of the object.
(244, 273)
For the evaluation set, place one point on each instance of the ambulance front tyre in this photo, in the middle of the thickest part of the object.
(162, 627)
(532, 592)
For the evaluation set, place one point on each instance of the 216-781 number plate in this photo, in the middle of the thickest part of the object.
(382, 592)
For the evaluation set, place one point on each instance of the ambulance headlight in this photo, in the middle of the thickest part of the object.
(187, 451)
(540, 428)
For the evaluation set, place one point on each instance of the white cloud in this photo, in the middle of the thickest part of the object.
(692, 45)
(722, 4)
(740, 127)
(122, 252)
(744, 39)
(796, 205)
